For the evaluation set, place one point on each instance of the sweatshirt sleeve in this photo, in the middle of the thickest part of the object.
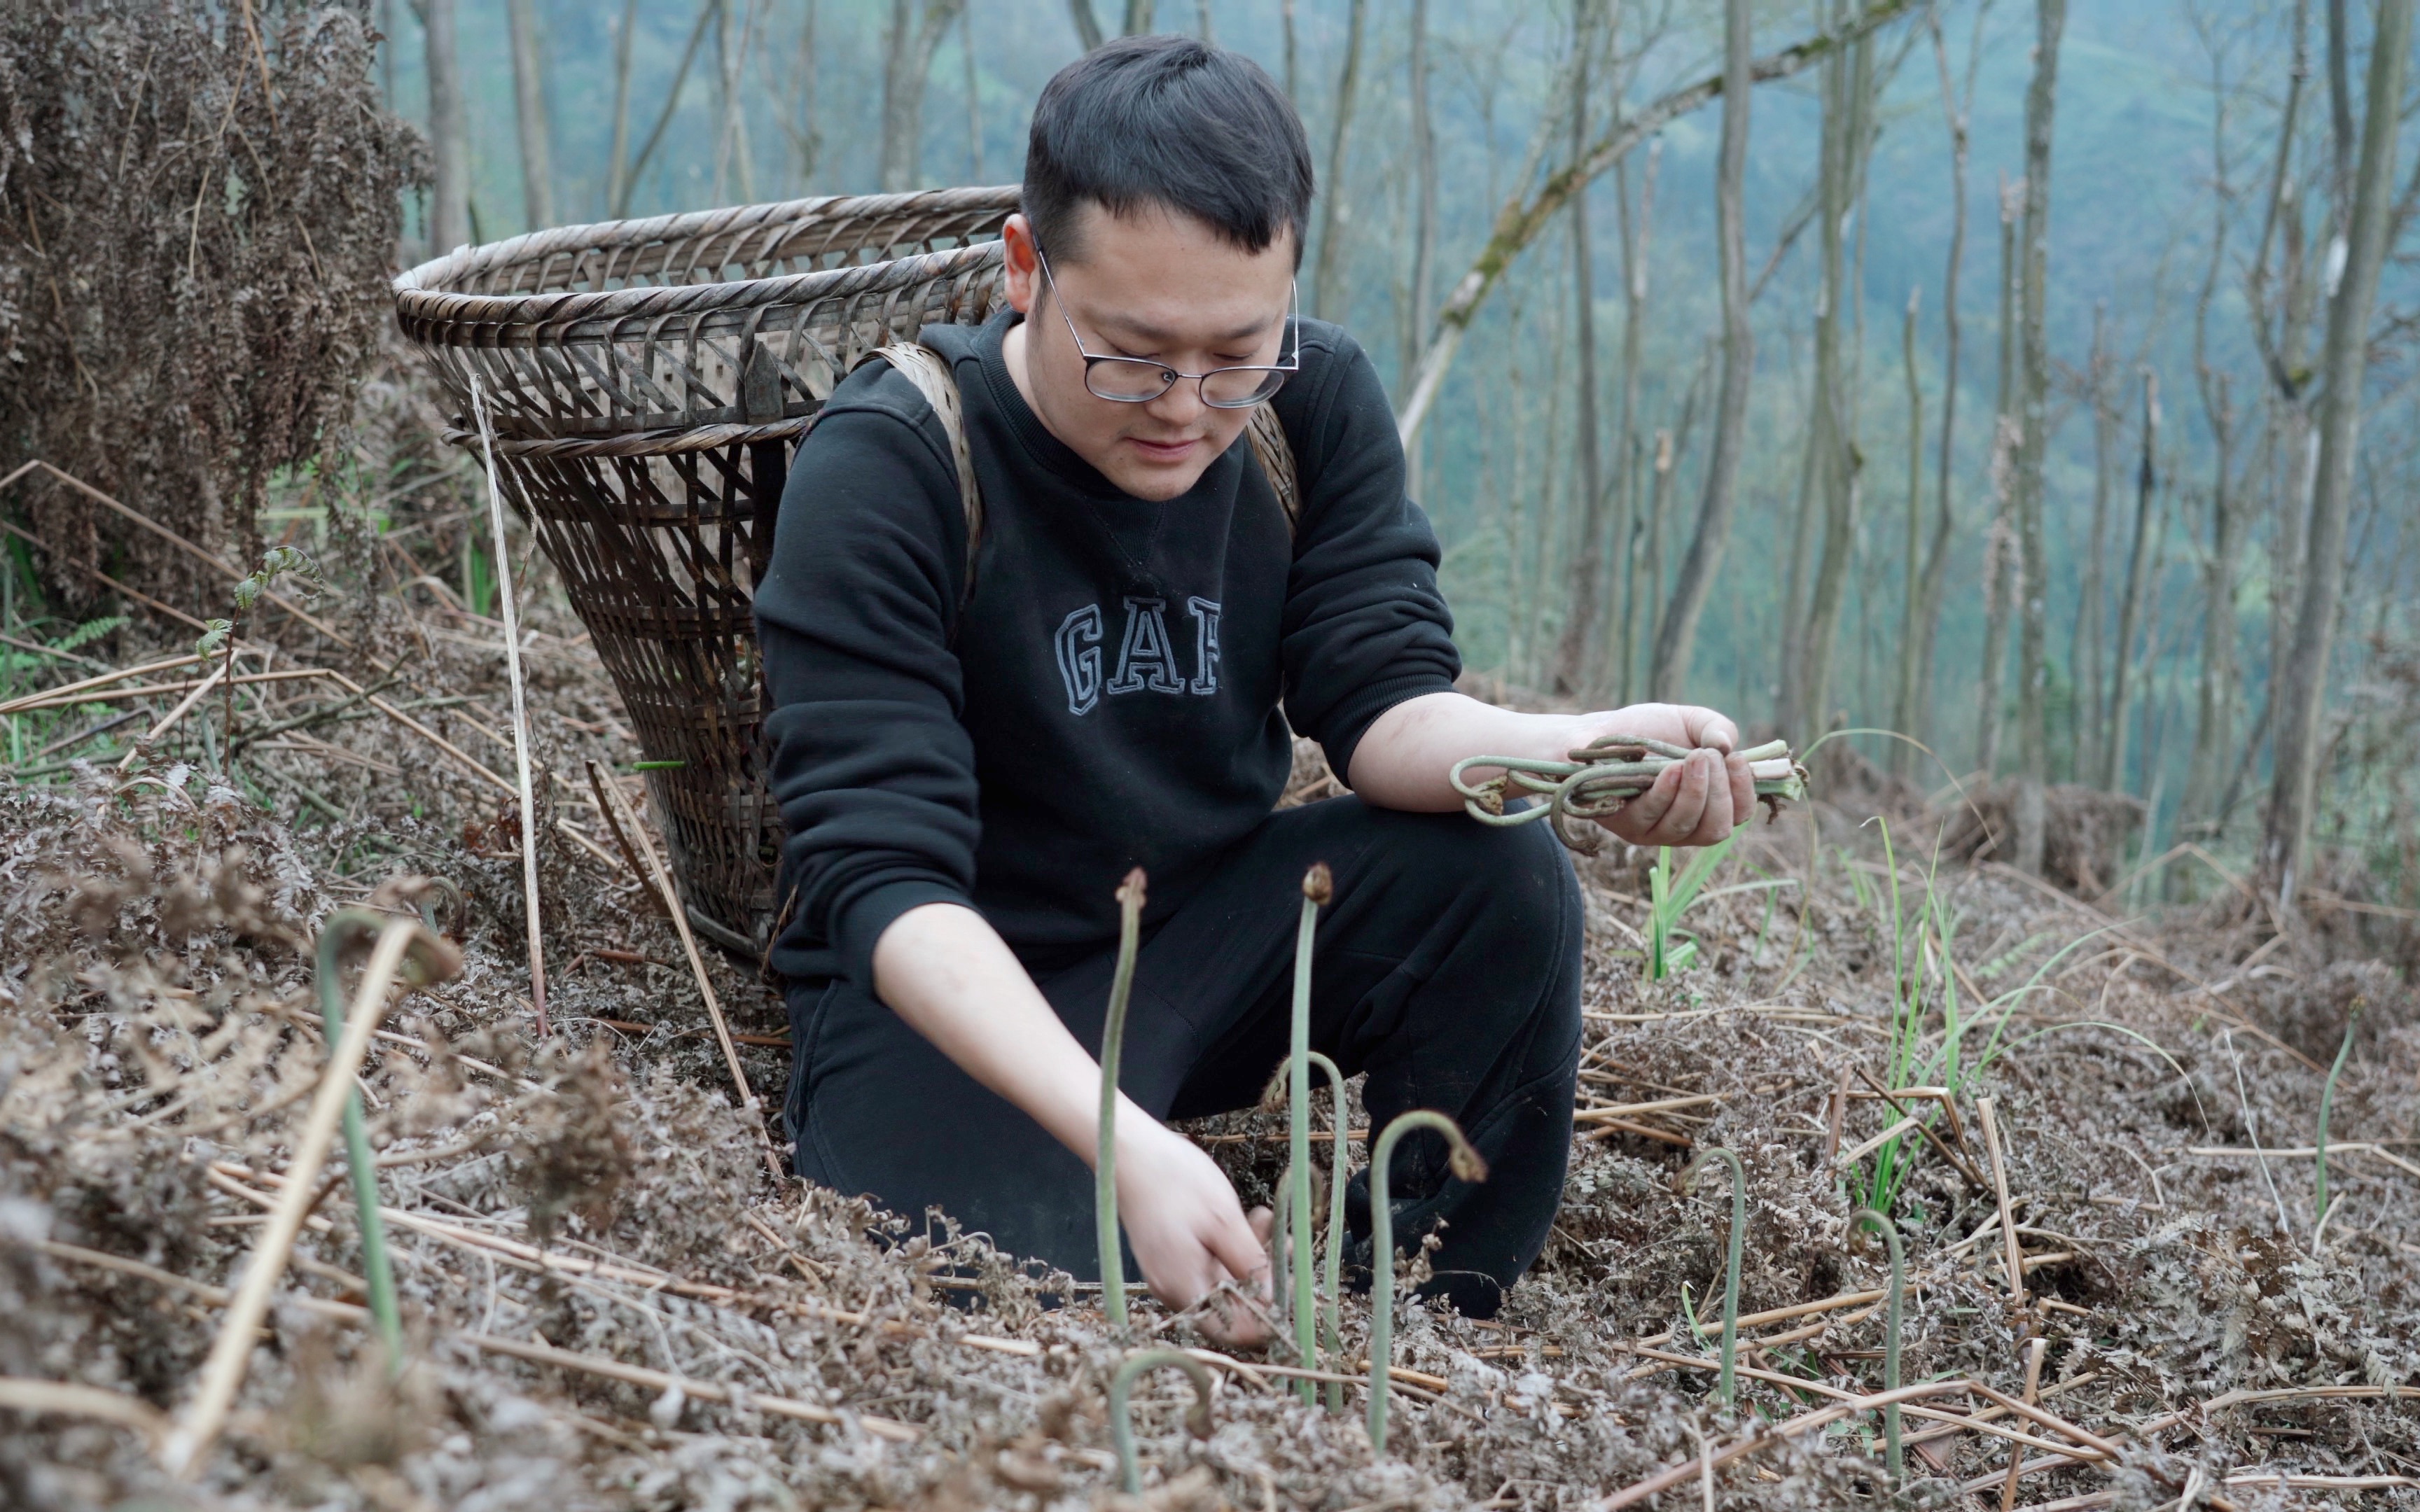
(869, 763)
(1365, 625)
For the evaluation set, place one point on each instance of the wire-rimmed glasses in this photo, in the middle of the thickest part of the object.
(1140, 380)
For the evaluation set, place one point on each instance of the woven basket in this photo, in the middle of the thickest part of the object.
(649, 382)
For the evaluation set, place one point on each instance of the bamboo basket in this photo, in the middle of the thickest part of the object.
(649, 382)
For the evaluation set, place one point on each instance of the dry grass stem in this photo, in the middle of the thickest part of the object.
(512, 638)
(207, 1412)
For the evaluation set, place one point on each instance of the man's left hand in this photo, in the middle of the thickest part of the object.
(1694, 802)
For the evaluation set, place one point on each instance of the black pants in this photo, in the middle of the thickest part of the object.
(1448, 967)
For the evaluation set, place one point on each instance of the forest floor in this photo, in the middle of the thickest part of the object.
(610, 1303)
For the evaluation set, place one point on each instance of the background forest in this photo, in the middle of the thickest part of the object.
(2057, 530)
(2010, 402)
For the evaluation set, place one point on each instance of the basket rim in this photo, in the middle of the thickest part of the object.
(421, 298)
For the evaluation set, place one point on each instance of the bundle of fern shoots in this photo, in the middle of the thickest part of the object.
(1600, 778)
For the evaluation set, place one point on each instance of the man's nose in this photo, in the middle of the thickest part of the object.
(1180, 406)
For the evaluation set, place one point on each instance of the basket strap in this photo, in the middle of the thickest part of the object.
(930, 372)
(1275, 453)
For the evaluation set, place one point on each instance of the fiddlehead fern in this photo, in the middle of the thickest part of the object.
(1113, 1034)
(1464, 1162)
(1881, 1224)
(1120, 1412)
(1729, 1387)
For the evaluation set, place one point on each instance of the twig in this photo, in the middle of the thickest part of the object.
(53, 652)
(30, 700)
(1606, 1127)
(613, 826)
(207, 1414)
(612, 795)
(2034, 1350)
(1957, 1161)
(705, 1391)
(2306, 1152)
(68, 1398)
(2013, 1256)
(146, 691)
(520, 715)
(1762, 1437)
(168, 720)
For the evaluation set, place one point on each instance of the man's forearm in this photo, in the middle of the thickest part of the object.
(1403, 760)
(946, 971)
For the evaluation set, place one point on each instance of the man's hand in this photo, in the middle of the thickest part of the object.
(944, 970)
(1696, 802)
(1403, 758)
(1188, 1230)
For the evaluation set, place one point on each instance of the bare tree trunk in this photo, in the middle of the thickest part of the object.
(1911, 585)
(807, 138)
(1526, 215)
(1324, 301)
(1087, 25)
(386, 54)
(2215, 725)
(618, 153)
(708, 11)
(1285, 24)
(449, 134)
(974, 92)
(2340, 111)
(909, 46)
(2033, 647)
(2086, 644)
(529, 114)
(2215, 696)
(1138, 17)
(1999, 549)
(1958, 112)
(1847, 102)
(1571, 673)
(732, 157)
(1659, 499)
(1424, 220)
(1636, 239)
(2343, 366)
(1791, 699)
(1675, 640)
(2289, 396)
(2138, 565)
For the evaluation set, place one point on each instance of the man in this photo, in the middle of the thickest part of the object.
(968, 767)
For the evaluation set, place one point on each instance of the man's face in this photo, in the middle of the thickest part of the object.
(1152, 284)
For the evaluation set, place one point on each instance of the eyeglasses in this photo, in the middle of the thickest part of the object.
(1139, 380)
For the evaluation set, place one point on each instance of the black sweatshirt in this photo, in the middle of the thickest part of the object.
(1109, 697)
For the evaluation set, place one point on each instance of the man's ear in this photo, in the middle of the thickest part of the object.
(1024, 271)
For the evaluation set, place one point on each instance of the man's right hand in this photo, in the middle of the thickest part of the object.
(943, 969)
(1188, 1229)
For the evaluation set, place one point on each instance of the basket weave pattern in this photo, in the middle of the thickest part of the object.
(649, 382)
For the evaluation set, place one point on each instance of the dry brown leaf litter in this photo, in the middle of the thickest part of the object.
(158, 1037)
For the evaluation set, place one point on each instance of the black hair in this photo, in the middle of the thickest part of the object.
(1173, 122)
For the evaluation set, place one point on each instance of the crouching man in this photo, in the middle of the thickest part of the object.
(971, 747)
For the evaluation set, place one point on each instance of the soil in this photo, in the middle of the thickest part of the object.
(601, 1191)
